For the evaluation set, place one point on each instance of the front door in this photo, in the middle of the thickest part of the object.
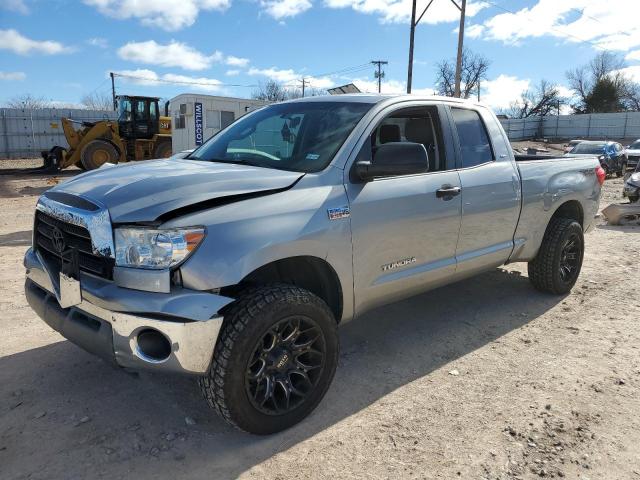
(404, 231)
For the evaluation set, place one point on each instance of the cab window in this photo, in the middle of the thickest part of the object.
(475, 148)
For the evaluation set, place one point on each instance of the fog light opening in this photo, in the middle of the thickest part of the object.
(153, 346)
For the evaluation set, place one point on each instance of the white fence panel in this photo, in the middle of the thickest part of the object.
(25, 133)
(594, 126)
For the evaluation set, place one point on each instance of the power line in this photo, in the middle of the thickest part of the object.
(183, 82)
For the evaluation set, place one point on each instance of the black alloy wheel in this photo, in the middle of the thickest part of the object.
(570, 258)
(285, 366)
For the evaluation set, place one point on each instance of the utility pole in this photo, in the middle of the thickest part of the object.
(113, 91)
(414, 24)
(462, 9)
(304, 83)
(379, 74)
(478, 89)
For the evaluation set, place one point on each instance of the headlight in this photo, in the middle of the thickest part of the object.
(635, 177)
(155, 249)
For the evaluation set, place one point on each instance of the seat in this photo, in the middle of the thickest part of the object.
(390, 133)
(418, 130)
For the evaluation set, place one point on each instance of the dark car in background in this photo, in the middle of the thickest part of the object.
(571, 145)
(612, 156)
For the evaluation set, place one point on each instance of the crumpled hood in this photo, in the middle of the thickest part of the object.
(143, 191)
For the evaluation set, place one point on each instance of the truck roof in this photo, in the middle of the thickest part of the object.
(377, 97)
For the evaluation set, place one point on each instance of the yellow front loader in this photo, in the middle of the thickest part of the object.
(139, 133)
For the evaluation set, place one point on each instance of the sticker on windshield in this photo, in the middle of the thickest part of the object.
(313, 156)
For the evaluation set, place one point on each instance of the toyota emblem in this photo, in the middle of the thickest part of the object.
(57, 239)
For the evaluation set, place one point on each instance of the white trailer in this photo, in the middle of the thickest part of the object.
(197, 117)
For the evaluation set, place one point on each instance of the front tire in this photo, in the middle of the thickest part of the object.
(274, 360)
(98, 152)
(557, 266)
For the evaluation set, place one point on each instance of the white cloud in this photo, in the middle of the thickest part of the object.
(98, 42)
(18, 43)
(635, 55)
(281, 9)
(236, 61)
(605, 25)
(150, 78)
(399, 11)
(390, 87)
(232, 73)
(12, 76)
(173, 54)
(15, 6)
(170, 15)
(502, 91)
(632, 72)
(276, 74)
(291, 78)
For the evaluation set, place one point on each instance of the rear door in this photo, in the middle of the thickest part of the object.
(490, 190)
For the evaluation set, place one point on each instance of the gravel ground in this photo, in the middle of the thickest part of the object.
(482, 379)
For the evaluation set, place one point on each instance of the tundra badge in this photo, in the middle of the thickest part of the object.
(400, 263)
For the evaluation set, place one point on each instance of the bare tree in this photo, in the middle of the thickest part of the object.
(544, 99)
(474, 69)
(272, 91)
(602, 86)
(27, 101)
(97, 101)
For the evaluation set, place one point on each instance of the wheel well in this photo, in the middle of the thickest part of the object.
(571, 209)
(311, 273)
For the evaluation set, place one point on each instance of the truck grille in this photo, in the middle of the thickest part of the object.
(49, 231)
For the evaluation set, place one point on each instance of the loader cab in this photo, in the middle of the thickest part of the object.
(138, 117)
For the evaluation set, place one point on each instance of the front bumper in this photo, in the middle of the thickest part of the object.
(109, 319)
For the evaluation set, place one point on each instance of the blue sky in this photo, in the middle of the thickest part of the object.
(63, 49)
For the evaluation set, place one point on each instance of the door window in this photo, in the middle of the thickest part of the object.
(153, 111)
(416, 125)
(140, 112)
(472, 136)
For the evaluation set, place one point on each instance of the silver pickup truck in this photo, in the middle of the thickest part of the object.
(237, 263)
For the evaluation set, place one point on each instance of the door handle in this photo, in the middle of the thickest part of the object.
(447, 192)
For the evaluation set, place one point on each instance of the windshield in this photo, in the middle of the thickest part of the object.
(299, 136)
(593, 148)
(635, 145)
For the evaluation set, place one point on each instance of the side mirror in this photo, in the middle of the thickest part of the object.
(393, 159)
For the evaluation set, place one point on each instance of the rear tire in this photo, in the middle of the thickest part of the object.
(98, 152)
(162, 150)
(274, 360)
(557, 266)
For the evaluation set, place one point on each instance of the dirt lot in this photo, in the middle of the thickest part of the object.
(483, 379)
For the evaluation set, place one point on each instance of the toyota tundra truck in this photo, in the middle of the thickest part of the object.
(238, 263)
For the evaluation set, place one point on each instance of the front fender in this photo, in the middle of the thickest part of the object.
(246, 235)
